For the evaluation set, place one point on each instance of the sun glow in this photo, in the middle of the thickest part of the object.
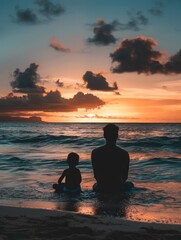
(90, 115)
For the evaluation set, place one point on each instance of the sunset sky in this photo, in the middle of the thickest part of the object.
(91, 60)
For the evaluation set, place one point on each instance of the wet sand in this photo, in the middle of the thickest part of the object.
(30, 223)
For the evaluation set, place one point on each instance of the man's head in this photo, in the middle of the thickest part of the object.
(111, 133)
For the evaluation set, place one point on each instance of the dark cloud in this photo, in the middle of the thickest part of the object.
(103, 33)
(138, 55)
(36, 99)
(141, 18)
(26, 16)
(174, 63)
(157, 9)
(58, 46)
(26, 82)
(88, 101)
(53, 97)
(136, 20)
(49, 9)
(49, 102)
(97, 82)
(59, 84)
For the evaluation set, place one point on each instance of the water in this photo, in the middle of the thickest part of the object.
(33, 155)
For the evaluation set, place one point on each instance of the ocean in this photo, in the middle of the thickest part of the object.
(33, 155)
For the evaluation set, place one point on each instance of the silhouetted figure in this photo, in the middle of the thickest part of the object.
(72, 176)
(110, 163)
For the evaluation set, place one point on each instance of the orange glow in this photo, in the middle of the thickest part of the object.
(120, 110)
(89, 210)
(156, 213)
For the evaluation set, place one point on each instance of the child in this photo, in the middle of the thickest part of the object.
(72, 176)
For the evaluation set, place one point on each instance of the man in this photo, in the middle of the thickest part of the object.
(110, 163)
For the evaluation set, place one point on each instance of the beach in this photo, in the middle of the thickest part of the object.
(90, 120)
(33, 156)
(31, 223)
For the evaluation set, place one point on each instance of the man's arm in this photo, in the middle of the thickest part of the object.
(126, 167)
(93, 159)
(80, 177)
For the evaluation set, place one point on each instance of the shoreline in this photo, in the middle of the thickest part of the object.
(137, 213)
(36, 223)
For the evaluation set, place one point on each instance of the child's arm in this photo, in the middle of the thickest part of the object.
(80, 177)
(61, 177)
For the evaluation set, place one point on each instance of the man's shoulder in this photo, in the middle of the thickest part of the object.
(77, 170)
(123, 151)
(123, 154)
(98, 149)
(104, 148)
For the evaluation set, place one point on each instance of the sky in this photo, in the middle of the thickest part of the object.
(91, 61)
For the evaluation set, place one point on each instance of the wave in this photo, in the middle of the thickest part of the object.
(157, 169)
(15, 164)
(154, 142)
(44, 138)
(161, 161)
(52, 139)
(147, 142)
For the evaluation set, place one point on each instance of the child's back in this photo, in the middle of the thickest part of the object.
(72, 178)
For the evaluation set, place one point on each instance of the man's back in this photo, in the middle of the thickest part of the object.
(110, 166)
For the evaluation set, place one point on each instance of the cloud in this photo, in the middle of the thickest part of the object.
(141, 18)
(26, 16)
(26, 82)
(103, 33)
(157, 9)
(49, 102)
(107, 117)
(88, 101)
(138, 55)
(174, 63)
(115, 117)
(135, 21)
(59, 84)
(49, 9)
(52, 97)
(97, 82)
(58, 46)
(35, 97)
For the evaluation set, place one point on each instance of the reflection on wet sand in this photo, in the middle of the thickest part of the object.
(112, 206)
(100, 205)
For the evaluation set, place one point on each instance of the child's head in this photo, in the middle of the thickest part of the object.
(73, 159)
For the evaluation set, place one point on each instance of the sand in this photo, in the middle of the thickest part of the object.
(30, 223)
